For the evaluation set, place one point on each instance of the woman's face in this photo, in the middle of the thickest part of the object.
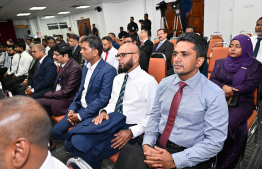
(235, 49)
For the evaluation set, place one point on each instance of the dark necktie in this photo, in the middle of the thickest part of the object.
(37, 69)
(119, 103)
(257, 47)
(60, 69)
(11, 63)
(172, 114)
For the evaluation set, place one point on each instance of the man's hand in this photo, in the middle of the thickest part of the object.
(161, 159)
(228, 90)
(73, 118)
(102, 116)
(28, 91)
(25, 82)
(122, 137)
(6, 74)
(187, 14)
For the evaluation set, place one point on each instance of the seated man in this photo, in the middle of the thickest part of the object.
(189, 119)
(94, 91)
(4, 59)
(143, 61)
(50, 48)
(115, 44)
(146, 45)
(67, 82)
(109, 52)
(22, 69)
(74, 43)
(24, 149)
(164, 46)
(44, 76)
(122, 33)
(132, 95)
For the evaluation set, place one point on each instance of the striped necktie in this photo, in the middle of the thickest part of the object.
(119, 103)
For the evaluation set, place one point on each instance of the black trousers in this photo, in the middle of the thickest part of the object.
(8, 82)
(132, 156)
(184, 21)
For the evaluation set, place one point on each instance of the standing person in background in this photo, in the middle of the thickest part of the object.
(94, 30)
(186, 6)
(132, 27)
(70, 31)
(86, 30)
(29, 34)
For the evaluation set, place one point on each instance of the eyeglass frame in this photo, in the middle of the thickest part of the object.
(124, 55)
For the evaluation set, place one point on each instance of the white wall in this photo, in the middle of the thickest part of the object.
(231, 16)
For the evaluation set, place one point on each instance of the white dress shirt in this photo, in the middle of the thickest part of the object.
(24, 64)
(111, 58)
(138, 98)
(27, 48)
(254, 42)
(47, 49)
(87, 79)
(2, 58)
(15, 62)
(52, 162)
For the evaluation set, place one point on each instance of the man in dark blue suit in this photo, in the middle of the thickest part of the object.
(94, 92)
(44, 76)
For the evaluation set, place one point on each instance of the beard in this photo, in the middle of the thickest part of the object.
(259, 33)
(106, 49)
(126, 67)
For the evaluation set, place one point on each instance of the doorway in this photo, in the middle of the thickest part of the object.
(81, 25)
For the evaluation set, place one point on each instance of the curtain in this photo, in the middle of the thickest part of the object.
(7, 31)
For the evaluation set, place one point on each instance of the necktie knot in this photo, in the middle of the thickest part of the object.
(182, 85)
(259, 39)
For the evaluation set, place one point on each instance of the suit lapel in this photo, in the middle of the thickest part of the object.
(162, 45)
(76, 49)
(101, 62)
(64, 68)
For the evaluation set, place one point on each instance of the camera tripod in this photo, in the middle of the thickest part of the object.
(176, 20)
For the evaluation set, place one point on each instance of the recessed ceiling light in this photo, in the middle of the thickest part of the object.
(47, 17)
(82, 7)
(37, 8)
(64, 12)
(23, 14)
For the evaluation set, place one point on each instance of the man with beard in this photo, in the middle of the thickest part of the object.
(109, 52)
(31, 128)
(132, 95)
(132, 27)
(51, 44)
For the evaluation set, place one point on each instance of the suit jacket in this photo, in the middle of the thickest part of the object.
(70, 77)
(147, 47)
(86, 136)
(44, 79)
(143, 61)
(98, 92)
(31, 71)
(51, 53)
(77, 55)
(166, 48)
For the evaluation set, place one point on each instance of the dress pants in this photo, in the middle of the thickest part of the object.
(18, 88)
(8, 83)
(185, 21)
(46, 103)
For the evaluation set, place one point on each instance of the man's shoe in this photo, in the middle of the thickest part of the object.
(51, 145)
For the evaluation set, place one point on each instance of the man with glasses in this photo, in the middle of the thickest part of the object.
(67, 82)
(132, 95)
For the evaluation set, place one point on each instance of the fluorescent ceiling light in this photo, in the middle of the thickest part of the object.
(37, 8)
(47, 17)
(82, 7)
(64, 12)
(23, 14)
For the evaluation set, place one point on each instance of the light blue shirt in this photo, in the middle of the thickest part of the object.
(201, 123)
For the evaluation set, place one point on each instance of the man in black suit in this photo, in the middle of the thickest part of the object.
(142, 58)
(44, 76)
(164, 46)
(51, 44)
(74, 43)
(146, 45)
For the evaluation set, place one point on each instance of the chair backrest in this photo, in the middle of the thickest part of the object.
(247, 32)
(212, 42)
(157, 68)
(217, 53)
(174, 42)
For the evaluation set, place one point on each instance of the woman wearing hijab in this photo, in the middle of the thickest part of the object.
(238, 75)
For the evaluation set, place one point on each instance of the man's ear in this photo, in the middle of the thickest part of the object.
(21, 152)
(200, 61)
(95, 51)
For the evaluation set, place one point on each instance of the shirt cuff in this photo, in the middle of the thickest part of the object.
(79, 118)
(135, 130)
(180, 159)
(150, 140)
(32, 90)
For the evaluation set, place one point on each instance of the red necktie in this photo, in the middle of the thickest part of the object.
(172, 114)
(106, 56)
(60, 69)
(141, 44)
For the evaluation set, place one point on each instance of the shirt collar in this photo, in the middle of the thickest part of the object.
(48, 161)
(63, 64)
(192, 82)
(163, 41)
(145, 40)
(134, 72)
(41, 60)
(75, 47)
(92, 67)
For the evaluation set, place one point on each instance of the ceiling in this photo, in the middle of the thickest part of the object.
(10, 8)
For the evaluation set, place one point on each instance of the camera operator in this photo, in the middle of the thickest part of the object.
(146, 24)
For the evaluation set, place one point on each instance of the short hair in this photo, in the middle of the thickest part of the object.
(21, 40)
(121, 27)
(63, 48)
(109, 39)
(45, 40)
(161, 29)
(112, 34)
(259, 19)
(74, 36)
(146, 30)
(193, 27)
(28, 31)
(133, 37)
(52, 39)
(11, 46)
(94, 43)
(40, 47)
(132, 17)
(29, 120)
(146, 14)
(29, 39)
(200, 44)
(61, 36)
(4, 45)
(60, 40)
(20, 44)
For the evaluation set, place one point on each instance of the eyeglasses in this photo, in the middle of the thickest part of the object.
(56, 54)
(122, 55)
(128, 41)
